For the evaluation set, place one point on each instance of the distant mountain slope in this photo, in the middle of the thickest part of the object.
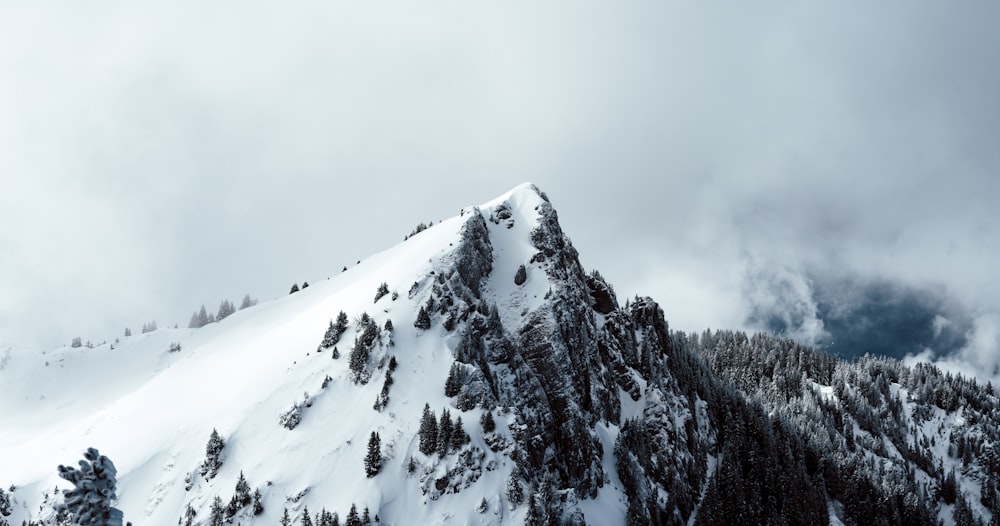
(573, 409)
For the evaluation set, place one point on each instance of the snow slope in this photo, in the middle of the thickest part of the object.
(151, 411)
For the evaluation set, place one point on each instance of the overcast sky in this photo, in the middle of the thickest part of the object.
(723, 160)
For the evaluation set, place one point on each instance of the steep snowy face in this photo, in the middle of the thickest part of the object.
(465, 317)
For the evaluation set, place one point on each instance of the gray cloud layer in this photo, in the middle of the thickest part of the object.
(722, 160)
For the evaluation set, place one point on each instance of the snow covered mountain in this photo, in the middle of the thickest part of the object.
(476, 374)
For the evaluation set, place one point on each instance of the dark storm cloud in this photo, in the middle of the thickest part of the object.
(724, 160)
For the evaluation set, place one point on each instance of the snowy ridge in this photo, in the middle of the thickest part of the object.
(602, 414)
(152, 411)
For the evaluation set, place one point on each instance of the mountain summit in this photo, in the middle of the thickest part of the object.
(476, 374)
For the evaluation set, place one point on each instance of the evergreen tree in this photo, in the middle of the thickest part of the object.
(89, 502)
(534, 516)
(428, 431)
(515, 492)
(305, 285)
(453, 384)
(383, 290)
(242, 495)
(342, 322)
(217, 512)
(225, 309)
(366, 517)
(213, 455)
(306, 520)
(489, 425)
(258, 504)
(458, 435)
(352, 517)
(202, 317)
(194, 324)
(5, 509)
(294, 289)
(444, 433)
(285, 519)
(128, 332)
(423, 319)
(373, 461)
(331, 337)
(189, 515)
(247, 302)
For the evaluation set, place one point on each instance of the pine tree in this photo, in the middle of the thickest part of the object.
(515, 492)
(247, 302)
(128, 332)
(258, 504)
(5, 509)
(342, 322)
(89, 502)
(428, 431)
(452, 385)
(423, 319)
(373, 461)
(213, 453)
(305, 285)
(489, 425)
(306, 519)
(331, 337)
(285, 519)
(218, 515)
(352, 517)
(242, 495)
(294, 289)
(458, 436)
(444, 433)
(202, 317)
(382, 291)
(225, 309)
(366, 517)
(533, 518)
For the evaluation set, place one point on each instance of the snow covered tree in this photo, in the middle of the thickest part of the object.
(428, 431)
(5, 509)
(217, 516)
(247, 302)
(285, 519)
(373, 460)
(242, 495)
(294, 289)
(213, 455)
(453, 384)
(366, 517)
(489, 425)
(202, 316)
(258, 504)
(515, 491)
(306, 519)
(89, 502)
(534, 516)
(423, 319)
(383, 290)
(189, 515)
(458, 435)
(352, 517)
(444, 433)
(225, 309)
(128, 332)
